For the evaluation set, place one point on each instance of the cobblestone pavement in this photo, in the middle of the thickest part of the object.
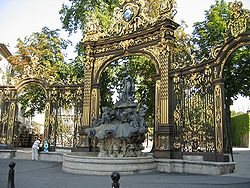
(30, 174)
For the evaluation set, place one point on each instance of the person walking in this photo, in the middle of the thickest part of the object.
(35, 148)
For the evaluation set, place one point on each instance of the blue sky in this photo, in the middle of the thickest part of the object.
(19, 18)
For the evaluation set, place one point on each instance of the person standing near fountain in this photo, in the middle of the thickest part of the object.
(35, 148)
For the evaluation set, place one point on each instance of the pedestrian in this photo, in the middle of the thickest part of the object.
(35, 148)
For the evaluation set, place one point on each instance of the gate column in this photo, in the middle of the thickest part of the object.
(8, 114)
(95, 101)
(88, 69)
(47, 120)
(12, 116)
(88, 65)
(164, 131)
(219, 119)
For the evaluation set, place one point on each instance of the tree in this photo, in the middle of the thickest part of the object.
(45, 51)
(32, 99)
(213, 31)
(75, 15)
(42, 53)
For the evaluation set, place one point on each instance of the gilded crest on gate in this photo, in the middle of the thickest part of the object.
(238, 23)
(134, 15)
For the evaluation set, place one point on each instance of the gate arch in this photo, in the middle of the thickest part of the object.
(135, 53)
(55, 92)
(95, 104)
(142, 33)
(183, 87)
(230, 47)
(25, 137)
(27, 81)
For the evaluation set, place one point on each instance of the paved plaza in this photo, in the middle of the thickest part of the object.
(40, 174)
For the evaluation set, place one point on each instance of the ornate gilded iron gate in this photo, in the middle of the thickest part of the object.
(60, 128)
(189, 103)
(8, 113)
(197, 109)
(136, 30)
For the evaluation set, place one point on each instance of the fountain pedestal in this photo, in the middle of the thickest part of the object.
(89, 163)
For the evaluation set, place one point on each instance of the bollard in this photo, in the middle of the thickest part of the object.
(11, 183)
(115, 176)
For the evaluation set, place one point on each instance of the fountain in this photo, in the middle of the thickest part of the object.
(120, 133)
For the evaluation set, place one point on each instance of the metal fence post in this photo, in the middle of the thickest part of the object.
(115, 176)
(11, 183)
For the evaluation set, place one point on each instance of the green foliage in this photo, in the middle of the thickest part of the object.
(75, 15)
(184, 47)
(237, 74)
(240, 125)
(32, 99)
(213, 31)
(46, 49)
(44, 53)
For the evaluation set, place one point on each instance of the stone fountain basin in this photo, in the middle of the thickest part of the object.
(89, 163)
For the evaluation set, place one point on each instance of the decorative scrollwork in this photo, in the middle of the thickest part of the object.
(238, 23)
(218, 117)
(79, 93)
(53, 95)
(6, 95)
(193, 113)
(93, 30)
(135, 15)
(215, 50)
(126, 44)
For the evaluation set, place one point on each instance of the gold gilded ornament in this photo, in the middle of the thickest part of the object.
(238, 23)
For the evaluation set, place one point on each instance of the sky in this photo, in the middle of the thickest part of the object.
(20, 18)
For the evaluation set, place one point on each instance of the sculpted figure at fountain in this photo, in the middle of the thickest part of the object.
(120, 131)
